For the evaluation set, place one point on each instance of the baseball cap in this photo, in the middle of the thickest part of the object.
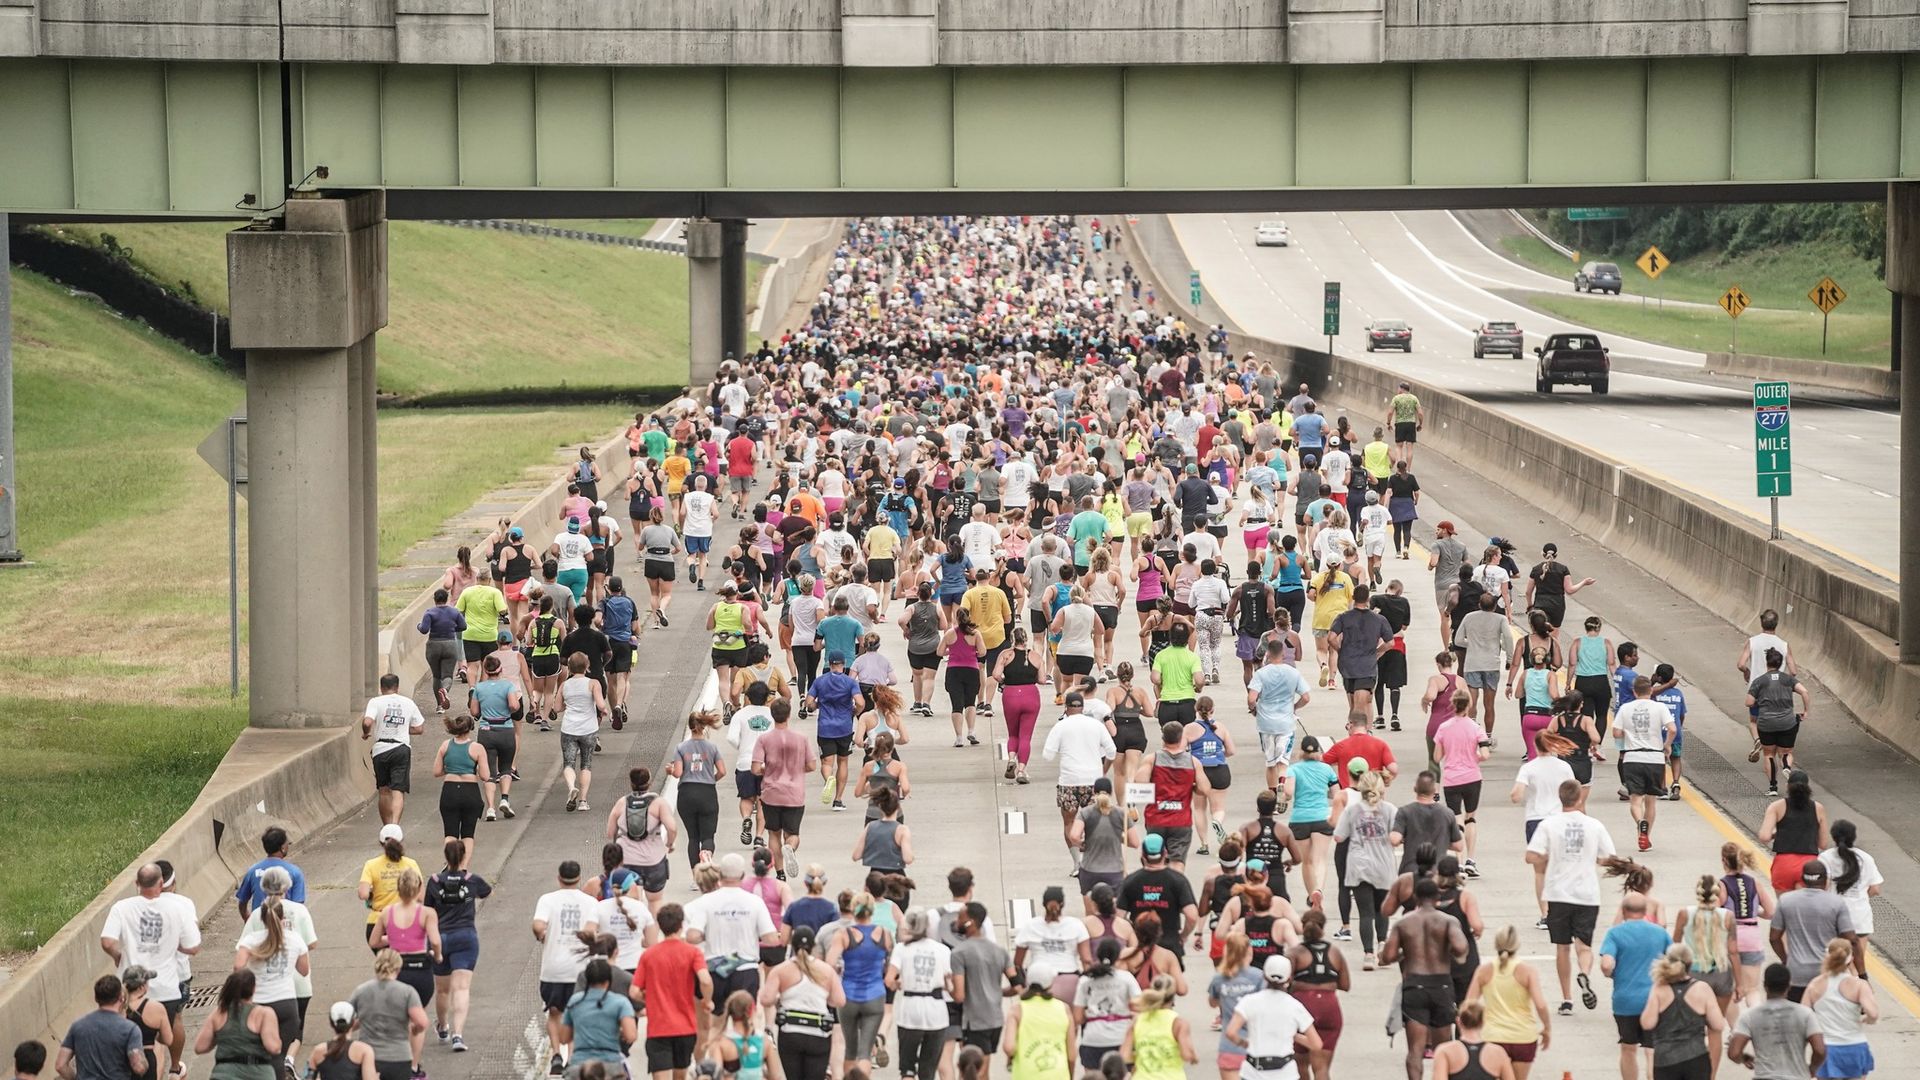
(1104, 784)
(1814, 871)
(391, 831)
(1357, 766)
(1041, 973)
(514, 533)
(505, 636)
(341, 1014)
(1154, 845)
(836, 657)
(1053, 894)
(601, 505)
(573, 524)
(899, 481)
(1256, 866)
(1445, 527)
(1278, 969)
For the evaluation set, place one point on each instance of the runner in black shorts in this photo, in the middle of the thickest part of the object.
(1426, 943)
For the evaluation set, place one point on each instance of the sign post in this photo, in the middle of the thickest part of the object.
(1733, 302)
(225, 448)
(1653, 262)
(1773, 445)
(1330, 319)
(1826, 296)
(1193, 287)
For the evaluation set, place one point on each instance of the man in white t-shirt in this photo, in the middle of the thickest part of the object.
(152, 930)
(1270, 1024)
(731, 926)
(558, 919)
(978, 539)
(1565, 852)
(1082, 746)
(1645, 729)
(1753, 654)
(391, 720)
(697, 508)
(749, 722)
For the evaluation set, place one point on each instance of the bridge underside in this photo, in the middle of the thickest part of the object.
(113, 138)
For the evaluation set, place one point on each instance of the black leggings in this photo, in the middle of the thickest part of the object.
(1594, 693)
(806, 664)
(1402, 535)
(699, 807)
(460, 808)
(1372, 922)
(1380, 701)
(963, 687)
(1295, 603)
(805, 1057)
(1340, 875)
(920, 1052)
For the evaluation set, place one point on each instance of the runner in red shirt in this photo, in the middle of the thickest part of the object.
(665, 984)
(740, 454)
(1360, 744)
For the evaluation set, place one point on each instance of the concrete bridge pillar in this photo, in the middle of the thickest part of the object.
(1903, 280)
(716, 295)
(307, 300)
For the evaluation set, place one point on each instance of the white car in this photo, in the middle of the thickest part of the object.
(1271, 234)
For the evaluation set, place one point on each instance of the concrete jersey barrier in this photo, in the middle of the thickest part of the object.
(1879, 382)
(1844, 620)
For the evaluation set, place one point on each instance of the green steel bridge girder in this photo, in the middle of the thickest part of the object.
(157, 138)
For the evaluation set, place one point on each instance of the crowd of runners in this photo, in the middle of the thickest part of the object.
(1097, 534)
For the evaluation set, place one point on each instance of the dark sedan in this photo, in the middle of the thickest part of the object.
(1597, 277)
(1498, 337)
(1389, 334)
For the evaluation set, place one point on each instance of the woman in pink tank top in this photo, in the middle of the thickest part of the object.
(1438, 698)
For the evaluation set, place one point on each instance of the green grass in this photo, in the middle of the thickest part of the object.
(117, 710)
(634, 227)
(1852, 339)
(473, 309)
(89, 785)
(1777, 278)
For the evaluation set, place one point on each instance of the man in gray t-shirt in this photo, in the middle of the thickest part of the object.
(1445, 559)
(1804, 920)
(983, 965)
(1357, 635)
(384, 1012)
(1772, 1038)
(1425, 821)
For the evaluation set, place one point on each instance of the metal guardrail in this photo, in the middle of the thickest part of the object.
(528, 228)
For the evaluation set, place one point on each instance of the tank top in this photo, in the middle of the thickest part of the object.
(1076, 630)
(1798, 832)
(1020, 671)
(459, 758)
(1442, 709)
(1156, 1051)
(1219, 893)
(1266, 845)
(1041, 1048)
(961, 654)
(865, 962)
(805, 998)
(577, 694)
(1589, 655)
(877, 778)
(238, 1054)
(882, 850)
(1260, 938)
(1150, 586)
(148, 1036)
(1680, 1034)
(729, 627)
(1127, 712)
(1184, 575)
(953, 576)
(496, 710)
(340, 1068)
(1209, 749)
(1539, 690)
(519, 567)
(768, 890)
(1287, 573)
(1473, 1070)
(1102, 592)
(752, 1062)
(406, 940)
(1172, 805)
(1839, 1018)
(1743, 899)
(1319, 970)
(1509, 1008)
(1450, 904)
(1575, 732)
(546, 635)
(1106, 933)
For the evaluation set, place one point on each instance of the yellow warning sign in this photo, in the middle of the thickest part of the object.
(1734, 301)
(1827, 295)
(1653, 262)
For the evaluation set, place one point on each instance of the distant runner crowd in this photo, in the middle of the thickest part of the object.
(989, 444)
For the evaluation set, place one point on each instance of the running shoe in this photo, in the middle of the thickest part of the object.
(1541, 923)
(513, 774)
(1394, 725)
(573, 799)
(1587, 997)
(985, 709)
(699, 586)
(1219, 834)
(419, 1073)
(583, 807)
(1772, 792)
(440, 698)
(1753, 755)
(1020, 777)
(973, 740)
(958, 742)
(1566, 1008)
(662, 616)
(1203, 849)
(1379, 723)
(880, 1056)
(506, 808)
(457, 1044)
(1622, 792)
(1646, 842)
(1313, 899)
(1343, 934)
(555, 1066)
(440, 1031)
(490, 815)
(1673, 793)
(778, 874)
(826, 791)
(839, 807)
(746, 831)
(1012, 767)
(1470, 868)
(1366, 962)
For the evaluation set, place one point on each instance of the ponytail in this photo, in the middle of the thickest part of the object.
(1844, 835)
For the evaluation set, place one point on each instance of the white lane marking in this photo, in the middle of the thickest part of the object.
(1015, 822)
(1882, 494)
(1830, 478)
(1019, 910)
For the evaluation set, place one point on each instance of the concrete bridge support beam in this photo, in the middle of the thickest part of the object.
(1903, 280)
(733, 288)
(716, 295)
(307, 300)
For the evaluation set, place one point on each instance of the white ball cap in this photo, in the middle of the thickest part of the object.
(1278, 968)
(1042, 973)
(391, 831)
(341, 1013)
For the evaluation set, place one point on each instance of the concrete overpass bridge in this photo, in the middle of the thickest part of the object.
(323, 118)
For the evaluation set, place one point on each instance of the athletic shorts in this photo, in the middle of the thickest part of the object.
(1567, 923)
(740, 483)
(1090, 878)
(1406, 432)
(1276, 747)
(516, 591)
(1520, 1053)
(476, 651)
(659, 570)
(1427, 1000)
(879, 570)
(725, 658)
(835, 746)
(621, 661)
(697, 545)
(746, 783)
(1129, 735)
(1644, 777)
(1464, 798)
(554, 995)
(1482, 680)
(1109, 615)
(1780, 738)
(746, 978)
(923, 661)
(545, 665)
(653, 877)
(459, 950)
(1177, 839)
(393, 770)
(500, 747)
(668, 1053)
(1219, 776)
(1076, 665)
(1302, 830)
(1356, 683)
(1246, 647)
(1073, 798)
(1630, 1032)
(1679, 737)
(1139, 523)
(782, 819)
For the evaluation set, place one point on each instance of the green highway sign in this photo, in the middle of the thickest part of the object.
(1332, 315)
(1193, 287)
(1596, 213)
(1772, 439)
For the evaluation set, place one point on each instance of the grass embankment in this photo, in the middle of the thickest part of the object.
(480, 310)
(116, 706)
(1781, 322)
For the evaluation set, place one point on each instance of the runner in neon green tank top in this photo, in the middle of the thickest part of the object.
(1039, 1036)
(1159, 1045)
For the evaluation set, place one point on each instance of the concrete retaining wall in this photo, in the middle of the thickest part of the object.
(1878, 382)
(302, 780)
(1844, 620)
(780, 284)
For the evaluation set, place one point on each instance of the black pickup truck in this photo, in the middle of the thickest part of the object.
(1572, 358)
